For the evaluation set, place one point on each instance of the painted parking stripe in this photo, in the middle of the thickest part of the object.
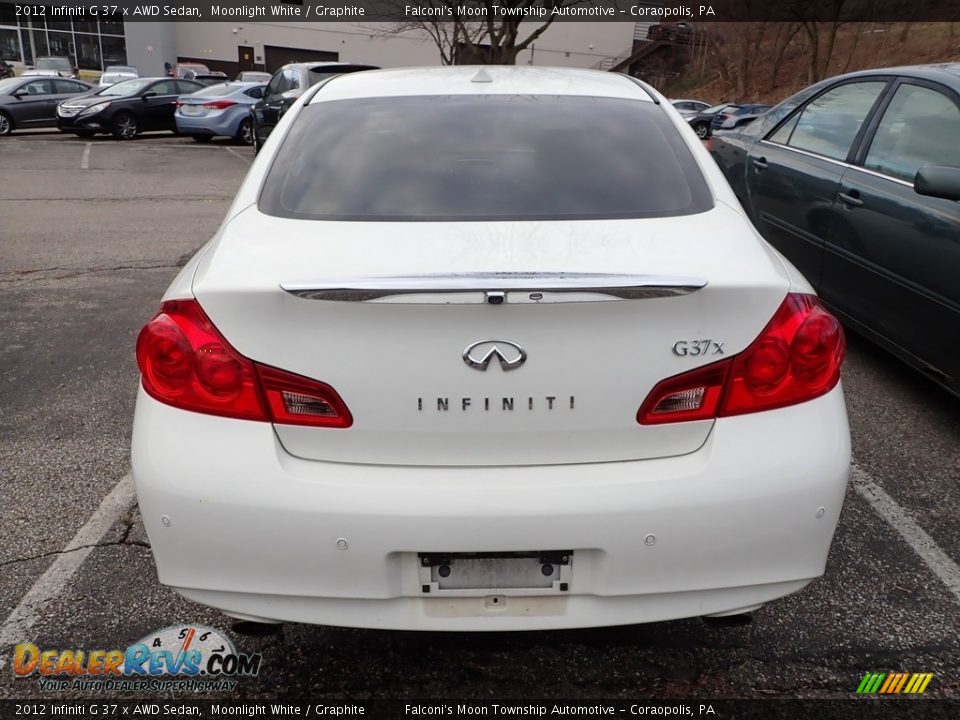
(915, 536)
(85, 161)
(235, 153)
(54, 581)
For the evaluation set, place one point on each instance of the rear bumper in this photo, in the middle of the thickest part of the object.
(223, 125)
(237, 523)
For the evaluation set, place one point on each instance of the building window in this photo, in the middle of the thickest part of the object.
(114, 50)
(88, 51)
(90, 45)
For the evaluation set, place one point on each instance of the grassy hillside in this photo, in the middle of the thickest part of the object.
(739, 59)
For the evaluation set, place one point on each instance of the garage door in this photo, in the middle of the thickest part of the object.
(276, 57)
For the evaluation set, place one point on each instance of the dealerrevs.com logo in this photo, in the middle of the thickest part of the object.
(192, 658)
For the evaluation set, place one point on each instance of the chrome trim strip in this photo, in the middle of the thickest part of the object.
(882, 176)
(838, 162)
(538, 287)
(841, 163)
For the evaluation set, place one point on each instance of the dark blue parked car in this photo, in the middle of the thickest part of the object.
(856, 180)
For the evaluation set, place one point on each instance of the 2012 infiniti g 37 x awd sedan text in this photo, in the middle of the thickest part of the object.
(488, 349)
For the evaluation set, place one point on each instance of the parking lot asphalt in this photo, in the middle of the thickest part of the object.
(92, 232)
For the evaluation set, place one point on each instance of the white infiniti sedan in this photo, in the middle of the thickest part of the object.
(488, 349)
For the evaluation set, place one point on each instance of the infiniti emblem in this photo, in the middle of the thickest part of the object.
(479, 355)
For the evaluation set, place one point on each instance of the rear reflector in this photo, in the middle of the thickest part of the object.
(185, 362)
(796, 358)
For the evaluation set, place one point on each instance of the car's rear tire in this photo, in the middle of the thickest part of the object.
(202, 138)
(244, 134)
(6, 124)
(125, 126)
(702, 130)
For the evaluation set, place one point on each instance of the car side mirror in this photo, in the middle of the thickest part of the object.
(939, 181)
(19, 95)
(148, 95)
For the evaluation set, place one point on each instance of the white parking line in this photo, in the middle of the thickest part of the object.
(922, 544)
(54, 581)
(85, 161)
(234, 152)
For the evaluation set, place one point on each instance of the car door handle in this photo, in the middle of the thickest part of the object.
(852, 198)
(760, 163)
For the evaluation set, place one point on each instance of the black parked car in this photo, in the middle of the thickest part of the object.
(31, 102)
(287, 84)
(857, 181)
(126, 109)
(701, 121)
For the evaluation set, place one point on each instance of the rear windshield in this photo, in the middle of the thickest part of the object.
(219, 89)
(483, 157)
(53, 63)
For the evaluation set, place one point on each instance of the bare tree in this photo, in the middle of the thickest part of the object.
(494, 34)
(786, 31)
(822, 37)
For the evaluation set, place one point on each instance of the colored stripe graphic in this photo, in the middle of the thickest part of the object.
(891, 681)
(870, 683)
(894, 683)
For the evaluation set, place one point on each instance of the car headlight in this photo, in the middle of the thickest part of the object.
(95, 108)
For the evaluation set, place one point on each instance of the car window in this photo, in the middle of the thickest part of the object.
(920, 126)
(188, 88)
(38, 87)
(65, 87)
(275, 86)
(828, 124)
(683, 106)
(165, 87)
(254, 92)
(715, 109)
(291, 79)
(483, 157)
(126, 88)
(51, 63)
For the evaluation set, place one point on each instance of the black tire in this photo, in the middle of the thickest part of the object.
(202, 138)
(125, 126)
(244, 134)
(702, 129)
(6, 124)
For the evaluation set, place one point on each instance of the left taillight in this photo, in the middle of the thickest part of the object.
(185, 362)
(796, 358)
(219, 104)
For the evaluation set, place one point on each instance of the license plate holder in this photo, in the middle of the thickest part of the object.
(505, 573)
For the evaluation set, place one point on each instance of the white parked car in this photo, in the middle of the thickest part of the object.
(488, 349)
(113, 74)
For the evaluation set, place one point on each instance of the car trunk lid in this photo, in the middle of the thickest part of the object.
(420, 327)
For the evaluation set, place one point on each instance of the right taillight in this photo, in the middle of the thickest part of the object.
(185, 362)
(796, 358)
